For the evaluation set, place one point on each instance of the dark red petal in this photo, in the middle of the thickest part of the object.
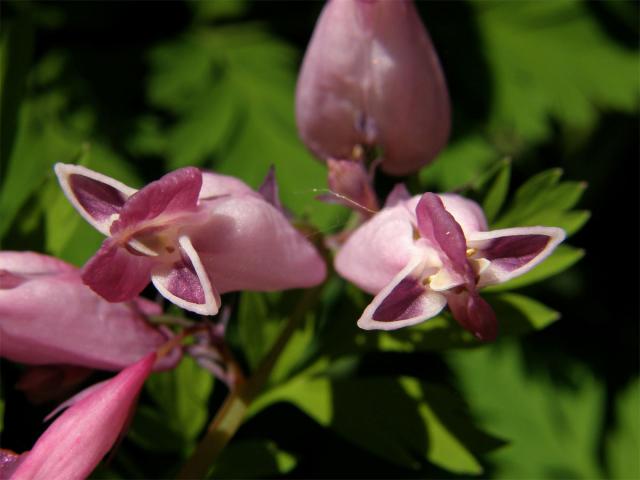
(175, 192)
(116, 274)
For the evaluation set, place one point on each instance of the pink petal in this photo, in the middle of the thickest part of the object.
(467, 213)
(176, 192)
(216, 185)
(88, 331)
(474, 314)
(116, 274)
(96, 197)
(186, 283)
(513, 251)
(379, 249)
(405, 301)
(243, 238)
(78, 440)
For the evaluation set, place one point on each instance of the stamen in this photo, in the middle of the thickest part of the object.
(471, 252)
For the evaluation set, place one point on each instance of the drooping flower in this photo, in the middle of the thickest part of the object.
(49, 316)
(371, 78)
(195, 235)
(419, 254)
(77, 441)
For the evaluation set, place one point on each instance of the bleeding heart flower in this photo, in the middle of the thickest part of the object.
(419, 254)
(371, 77)
(49, 316)
(195, 235)
(76, 442)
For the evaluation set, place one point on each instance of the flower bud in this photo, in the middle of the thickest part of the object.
(76, 442)
(371, 77)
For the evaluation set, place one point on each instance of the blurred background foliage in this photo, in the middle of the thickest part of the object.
(540, 90)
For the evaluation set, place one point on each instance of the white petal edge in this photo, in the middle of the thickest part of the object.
(490, 275)
(433, 302)
(64, 171)
(211, 304)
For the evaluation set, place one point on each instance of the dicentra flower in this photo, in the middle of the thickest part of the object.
(419, 254)
(194, 234)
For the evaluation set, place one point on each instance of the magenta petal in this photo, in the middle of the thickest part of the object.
(176, 192)
(404, 301)
(401, 303)
(96, 197)
(474, 314)
(78, 440)
(115, 273)
(348, 179)
(269, 189)
(513, 251)
(9, 462)
(186, 283)
(439, 226)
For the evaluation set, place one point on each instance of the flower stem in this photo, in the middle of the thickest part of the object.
(232, 412)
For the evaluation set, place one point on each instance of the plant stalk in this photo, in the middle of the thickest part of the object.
(232, 412)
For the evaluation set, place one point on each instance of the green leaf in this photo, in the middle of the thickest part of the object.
(179, 411)
(228, 121)
(459, 164)
(258, 324)
(623, 443)
(563, 257)
(553, 428)
(254, 458)
(389, 417)
(495, 197)
(547, 61)
(16, 49)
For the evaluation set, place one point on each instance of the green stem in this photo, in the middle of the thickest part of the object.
(232, 412)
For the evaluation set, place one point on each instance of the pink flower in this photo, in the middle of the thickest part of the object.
(195, 235)
(418, 255)
(76, 442)
(49, 316)
(371, 77)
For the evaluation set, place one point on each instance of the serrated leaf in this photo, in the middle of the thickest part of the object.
(495, 197)
(548, 61)
(623, 442)
(391, 418)
(553, 428)
(228, 121)
(563, 257)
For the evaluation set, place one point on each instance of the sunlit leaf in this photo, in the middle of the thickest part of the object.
(553, 428)
(623, 443)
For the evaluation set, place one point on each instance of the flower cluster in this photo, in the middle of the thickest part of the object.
(371, 93)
